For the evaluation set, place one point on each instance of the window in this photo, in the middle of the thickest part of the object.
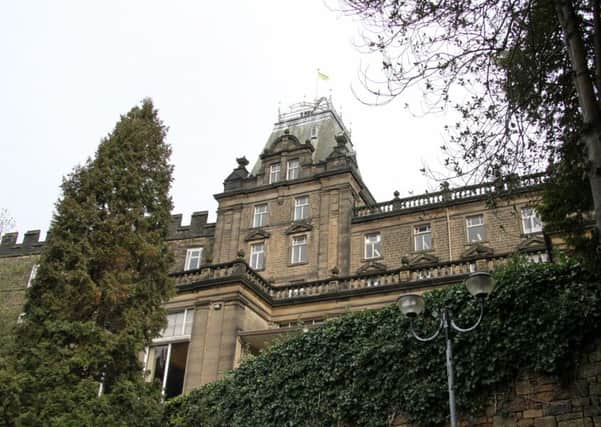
(531, 222)
(293, 169)
(257, 256)
(314, 131)
(475, 228)
(373, 243)
(34, 272)
(193, 258)
(274, 173)
(260, 216)
(301, 208)
(178, 324)
(165, 361)
(423, 237)
(299, 249)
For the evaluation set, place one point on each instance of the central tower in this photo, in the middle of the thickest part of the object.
(289, 217)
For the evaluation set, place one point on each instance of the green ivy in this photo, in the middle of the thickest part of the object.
(363, 368)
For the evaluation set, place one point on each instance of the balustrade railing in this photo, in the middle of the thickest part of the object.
(407, 275)
(512, 183)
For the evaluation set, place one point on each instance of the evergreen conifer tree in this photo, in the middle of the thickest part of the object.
(103, 275)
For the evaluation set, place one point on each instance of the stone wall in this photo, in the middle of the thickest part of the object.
(543, 401)
(503, 231)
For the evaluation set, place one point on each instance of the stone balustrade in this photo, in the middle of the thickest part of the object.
(452, 195)
(407, 276)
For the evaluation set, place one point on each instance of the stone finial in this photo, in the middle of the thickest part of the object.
(242, 161)
(446, 192)
(335, 271)
(241, 254)
(396, 194)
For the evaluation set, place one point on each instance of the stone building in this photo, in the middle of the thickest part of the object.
(299, 239)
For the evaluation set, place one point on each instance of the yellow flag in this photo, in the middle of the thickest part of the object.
(322, 76)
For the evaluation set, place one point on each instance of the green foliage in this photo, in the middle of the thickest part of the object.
(363, 368)
(103, 275)
(567, 204)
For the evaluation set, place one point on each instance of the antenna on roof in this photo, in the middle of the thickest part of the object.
(279, 110)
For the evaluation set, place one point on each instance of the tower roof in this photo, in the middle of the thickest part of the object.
(316, 122)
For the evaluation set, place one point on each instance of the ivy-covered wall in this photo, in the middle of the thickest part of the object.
(14, 275)
(365, 369)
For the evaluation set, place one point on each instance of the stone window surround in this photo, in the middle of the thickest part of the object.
(192, 257)
(530, 219)
(376, 246)
(178, 337)
(473, 226)
(261, 258)
(293, 246)
(294, 171)
(259, 218)
(417, 235)
(304, 208)
(275, 173)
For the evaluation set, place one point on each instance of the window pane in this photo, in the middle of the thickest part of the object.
(299, 249)
(174, 386)
(372, 245)
(475, 234)
(274, 173)
(301, 208)
(476, 230)
(158, 362)
(175, 322)
(193, 258)
(189, 321)
(531, 223)
(257, 256)
(260, 216)
(293, 169)
(423, 237)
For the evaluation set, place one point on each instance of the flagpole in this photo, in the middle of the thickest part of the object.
(316, 84)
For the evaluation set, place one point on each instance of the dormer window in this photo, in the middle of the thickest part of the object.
(274, 173)
(293, 169)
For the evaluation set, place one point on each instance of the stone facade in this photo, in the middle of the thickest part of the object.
(290, 247)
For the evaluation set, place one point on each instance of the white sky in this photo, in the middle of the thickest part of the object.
(216, 71)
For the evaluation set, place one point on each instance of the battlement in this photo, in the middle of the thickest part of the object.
(31, 244)
(198, 226)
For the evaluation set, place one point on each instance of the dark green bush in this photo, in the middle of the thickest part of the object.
(363, 368)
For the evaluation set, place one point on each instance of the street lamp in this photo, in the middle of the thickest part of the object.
(479, 285)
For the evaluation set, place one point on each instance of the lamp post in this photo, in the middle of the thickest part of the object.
(480, 285)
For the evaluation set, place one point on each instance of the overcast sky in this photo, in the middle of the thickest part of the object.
(216, 70)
